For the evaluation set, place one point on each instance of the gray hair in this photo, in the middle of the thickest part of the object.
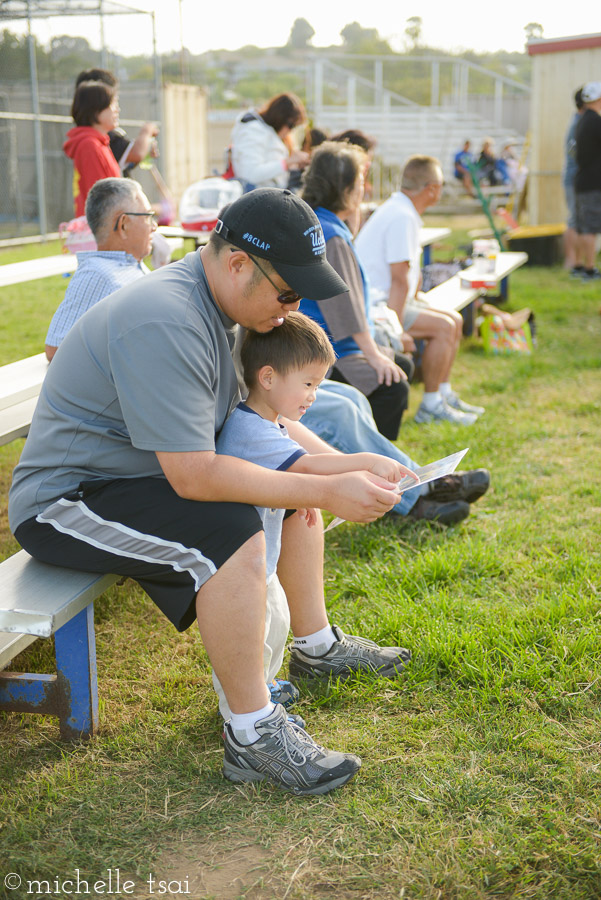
(108, 197)
(419, 171)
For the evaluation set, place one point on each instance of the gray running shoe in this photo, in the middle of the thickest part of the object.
(287, 756)
(443, 413)
(293, 718)
(347, 656)
(455, 402)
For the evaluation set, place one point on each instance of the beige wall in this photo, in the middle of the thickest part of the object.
(184, 136)
(556, 76)
(220, 130)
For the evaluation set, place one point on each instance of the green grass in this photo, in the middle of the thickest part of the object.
(481, 772)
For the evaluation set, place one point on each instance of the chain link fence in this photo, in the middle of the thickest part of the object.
(29, 178)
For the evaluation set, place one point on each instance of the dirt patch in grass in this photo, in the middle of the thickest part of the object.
(206, 869)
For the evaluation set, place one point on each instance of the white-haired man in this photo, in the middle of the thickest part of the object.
(123, 223)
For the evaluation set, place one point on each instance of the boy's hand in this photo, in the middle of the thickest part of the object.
(309, 515)
(387, 468)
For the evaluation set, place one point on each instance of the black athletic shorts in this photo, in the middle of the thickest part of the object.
(139, 527)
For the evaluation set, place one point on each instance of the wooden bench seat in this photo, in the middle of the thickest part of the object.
(38, 600)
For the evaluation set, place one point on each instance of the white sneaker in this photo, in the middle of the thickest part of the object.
(444, 413)
(455, 402)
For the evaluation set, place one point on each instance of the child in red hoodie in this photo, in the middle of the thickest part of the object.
(95, 111)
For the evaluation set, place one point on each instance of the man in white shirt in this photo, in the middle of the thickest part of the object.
(389, 248)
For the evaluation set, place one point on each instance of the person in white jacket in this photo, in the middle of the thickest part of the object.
(262, 154)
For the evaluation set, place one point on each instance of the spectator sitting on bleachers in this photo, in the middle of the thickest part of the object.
(123, 224)
(334, 189)
(487, 164)
(461, 162)
(389, 248)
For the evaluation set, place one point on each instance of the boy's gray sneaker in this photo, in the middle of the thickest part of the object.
(282, 691)
(443, 413)
(347, 656)
(287, 756)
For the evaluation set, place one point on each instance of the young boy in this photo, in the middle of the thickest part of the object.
(282, 371)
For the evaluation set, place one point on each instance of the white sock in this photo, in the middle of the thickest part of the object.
(445, 388)
(316, 644)
(431, 399)
(243, 724)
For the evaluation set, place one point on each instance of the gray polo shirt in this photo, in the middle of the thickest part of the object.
(147, 369)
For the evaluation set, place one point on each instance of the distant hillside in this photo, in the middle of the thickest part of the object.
(253, 74)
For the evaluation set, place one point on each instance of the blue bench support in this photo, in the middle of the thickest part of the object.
(72, 693)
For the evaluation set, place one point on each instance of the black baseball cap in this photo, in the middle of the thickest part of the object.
(278, 226)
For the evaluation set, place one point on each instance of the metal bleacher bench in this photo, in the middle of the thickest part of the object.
(38, 600)
(20, 384)
(451, 295)
(32, 269)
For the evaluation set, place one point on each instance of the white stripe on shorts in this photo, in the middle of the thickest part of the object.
(74, 518)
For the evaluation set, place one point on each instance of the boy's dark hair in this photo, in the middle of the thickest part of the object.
(91, 98)
(96, 75)
(578, 99)
(297, 342)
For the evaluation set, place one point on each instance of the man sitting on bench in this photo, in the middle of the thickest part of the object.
(123, 223)
(389, 248)
(119, 473)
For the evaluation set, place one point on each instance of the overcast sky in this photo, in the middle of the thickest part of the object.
(209, 26)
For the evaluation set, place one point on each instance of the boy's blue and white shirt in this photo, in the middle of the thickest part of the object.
(248, 436)
(98, 274)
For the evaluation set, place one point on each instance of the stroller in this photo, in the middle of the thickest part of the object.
(201, 202)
